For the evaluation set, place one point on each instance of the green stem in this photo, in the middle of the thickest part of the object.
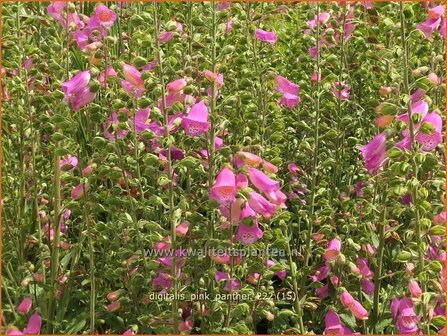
(169, 169)
(380, 251)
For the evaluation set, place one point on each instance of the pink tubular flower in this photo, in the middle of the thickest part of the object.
(262, 206)
(224, 190)
(248, 158)
(367, 286)
(25, 306)
(362, 264)
(76, 83)
(266, 36)
(182, 229)
(262, 181)
(436, 12)
(34, 324)
(196, 121)
(322, 292)
(78, 191)
(374, 153)
(162, 280)
(333, 250)
(133, 76)
(105, 15)
(321, 273)
(68, 163)
(429, 26)
(248, 235)
(176, 85)
(109, 72)
(403, 313)
(289, 90)
(414, 289)
(431, 141)
(332, 323)
(110, 128)
(340, 90)
(316, 77)
(354, 306)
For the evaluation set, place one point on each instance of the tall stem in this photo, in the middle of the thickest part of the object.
(415, 167)
(315, 158)
(169, 171)
(380, 251)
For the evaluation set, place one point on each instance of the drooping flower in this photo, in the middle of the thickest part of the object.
(321, 273)
(289, 90)
(414, 289)
(196, 121)
(104, 75)
(24, 306)
(248, 235)
(132, 75)
(105, 15)
(333, 323)
(78, 191)
(176, 85)
(262, 181)
(111, 128)
(354, 306)
(68, 163)
(404, 315)
(182, 229)
(340, 90)
(362, 264)
(262, 206)
(367, 286)
(374, 153)
(266, 36)
(224, 190)
(333, 250)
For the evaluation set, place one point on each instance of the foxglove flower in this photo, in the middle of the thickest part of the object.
(248, 235)
(224, 190)
(374, 153)
(340, 90)
(196, 121)
(333, 250)
(265, 36)
(262, 206)
(24, 306)
(105, 15)
(262, 181)
(289, 90)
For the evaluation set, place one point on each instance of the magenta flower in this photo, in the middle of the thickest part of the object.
(223, 5)
(332, 250)
(105, 15)
(109, 72)
(68, 163)
(247, 211)
(176, 85)
(24, 306)
(76, 83)
(429, 26)
(340, 90)
(229, 26)
(248, 235)
(414, 289)
(163, 280)
(290, 92)
(322, 292)
(332, 323)
(374, 153)
(430, 141)
(262, 206)
(316, 77)
(321, 273)
(265, 36)
(78, 191)
(362, 264)
(280, 274)
(354, 306)
(262, 181)
(224, 190)
(322, 18)
(34, 324)
(313, 51)
(403, 313)
(111, 128)
(133, 76)
(367, 286)
(196, 121)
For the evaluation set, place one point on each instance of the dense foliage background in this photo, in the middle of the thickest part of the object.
(312, 129)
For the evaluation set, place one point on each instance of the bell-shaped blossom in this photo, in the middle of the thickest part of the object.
(322, 292)
(78, 191)
(281, 274)
(332, 323)
(109, 72)
(404, 315)
(262, 181)
(367, 286)
(266, 36)
(354, 306)
(196, 121)
(224, 189)
(111, 129)
(289, 90)
(429, 26)
(322, 18)
(24, 306)
(321, 273)
(332, 250)
(176, 86)
(374, 153)
(362, 264)
(340, 90)
(248, 235)
(414, 289)
(68, 163)
(432, 140)
(105, 15)
(162, 280)
(261, 205)
(132, 75)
